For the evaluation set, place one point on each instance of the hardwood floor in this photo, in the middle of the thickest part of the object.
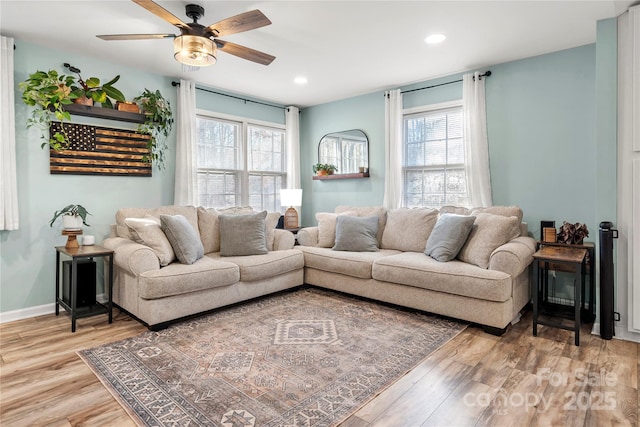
(474, 380)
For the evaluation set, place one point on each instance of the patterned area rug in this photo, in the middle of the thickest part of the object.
(305, 358)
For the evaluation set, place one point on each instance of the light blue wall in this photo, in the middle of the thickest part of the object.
(231, 105)
(541, 127)
(27, 267)
(363, 112)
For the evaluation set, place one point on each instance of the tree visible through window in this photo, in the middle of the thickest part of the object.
(239, 163)
(434, 159)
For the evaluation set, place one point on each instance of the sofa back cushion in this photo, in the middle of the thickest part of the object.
(501, 210)
(489, 231)
(189, 212)
(408, 229)
(378, 211)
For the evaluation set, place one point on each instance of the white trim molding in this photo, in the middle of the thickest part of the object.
(26, 313)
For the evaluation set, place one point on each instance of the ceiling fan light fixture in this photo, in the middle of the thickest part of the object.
(196, 51)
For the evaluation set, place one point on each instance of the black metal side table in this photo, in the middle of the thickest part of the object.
(572, 257)
(71, 306)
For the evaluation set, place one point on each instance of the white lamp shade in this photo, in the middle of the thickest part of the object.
(291, 197)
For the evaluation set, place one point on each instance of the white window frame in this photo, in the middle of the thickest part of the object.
(422, 110)
(242, 198)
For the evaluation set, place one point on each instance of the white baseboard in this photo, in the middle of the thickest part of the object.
(620, 333)
(25, 313)
(40, 310)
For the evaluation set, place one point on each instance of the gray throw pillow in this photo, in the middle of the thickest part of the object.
(184, 239)
(448, 236)
(356, 234)
(243, 234)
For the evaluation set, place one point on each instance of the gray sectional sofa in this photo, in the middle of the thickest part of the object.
(487, 283)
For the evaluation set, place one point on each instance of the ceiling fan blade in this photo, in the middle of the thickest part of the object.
(160, 11)
(135, 36)
(245, 52)
(239, 23)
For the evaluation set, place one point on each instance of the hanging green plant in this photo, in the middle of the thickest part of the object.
(49, 92)
(158, 123)
(93, 90)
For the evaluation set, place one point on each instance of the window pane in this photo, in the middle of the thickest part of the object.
(217, 144)
(265, 149)
(217, 189)
(434, 159)
(264, 192)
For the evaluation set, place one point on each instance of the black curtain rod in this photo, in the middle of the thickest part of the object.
(487, 74)
(232, 96)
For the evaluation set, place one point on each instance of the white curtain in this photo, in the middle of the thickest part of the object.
(186, 187)
(476, 144)
(393, 187)
(292, 141)
(8, 177)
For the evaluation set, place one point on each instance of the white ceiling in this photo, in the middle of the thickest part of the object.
(344, 48)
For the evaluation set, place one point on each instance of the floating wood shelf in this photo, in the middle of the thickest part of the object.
(104, 113)
(342, 176)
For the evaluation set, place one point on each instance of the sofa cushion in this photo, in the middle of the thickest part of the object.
(260, 267)
(356, 234)
(176, 279)
(458, 210)
(379, 211)
(448, 236)
(188, 212)
(355, 264)
(408, 229)
(184, 239)
(455, 277)
(209, 227)
(487, 234)
(243, 234)
(327, 228)
(147, 231)
(500, 210)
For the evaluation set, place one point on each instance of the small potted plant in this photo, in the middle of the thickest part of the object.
(157, 124)
(73, 217)
(324, 168)
(90, 90)
(572, 234)
(49, 92)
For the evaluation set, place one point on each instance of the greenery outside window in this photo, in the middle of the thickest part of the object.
(240, 163)
(434, 158)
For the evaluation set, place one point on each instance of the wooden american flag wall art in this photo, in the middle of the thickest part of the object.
(96, 150)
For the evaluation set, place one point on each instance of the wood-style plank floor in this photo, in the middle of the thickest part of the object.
(474, 380)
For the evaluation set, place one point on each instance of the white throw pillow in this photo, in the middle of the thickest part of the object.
(487, 234)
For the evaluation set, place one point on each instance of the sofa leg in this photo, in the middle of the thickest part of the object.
(494, 331)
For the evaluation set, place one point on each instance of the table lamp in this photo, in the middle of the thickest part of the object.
(291, 197)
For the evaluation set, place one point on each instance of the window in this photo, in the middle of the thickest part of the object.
(434, 159)
(240, 163)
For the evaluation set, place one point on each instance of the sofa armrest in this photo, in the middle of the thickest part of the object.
(283, 239)
(514, 256)
(132, 257)
(308, 236)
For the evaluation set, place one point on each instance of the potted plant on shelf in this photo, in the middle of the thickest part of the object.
(157, 124)
(90, 90)
(324, 168)
(73, 217)
(49, 92)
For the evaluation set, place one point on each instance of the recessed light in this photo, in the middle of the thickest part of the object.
(300, 80)
(435, 38)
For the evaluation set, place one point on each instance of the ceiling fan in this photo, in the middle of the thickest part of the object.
(196, 45)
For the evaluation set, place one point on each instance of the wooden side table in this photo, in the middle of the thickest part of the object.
(76, 254)
(563, 255)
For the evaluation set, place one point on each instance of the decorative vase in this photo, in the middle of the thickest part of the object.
(83, 100)
(71, 222)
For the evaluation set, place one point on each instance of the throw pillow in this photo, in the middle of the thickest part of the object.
(243, 234)
(327, 228)
(356, 234)
(448, 236)
(488, 233)
(408, 229)
(209, 227)
(380, 211)
(184, 240)
(147, 231)
(503, 211)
